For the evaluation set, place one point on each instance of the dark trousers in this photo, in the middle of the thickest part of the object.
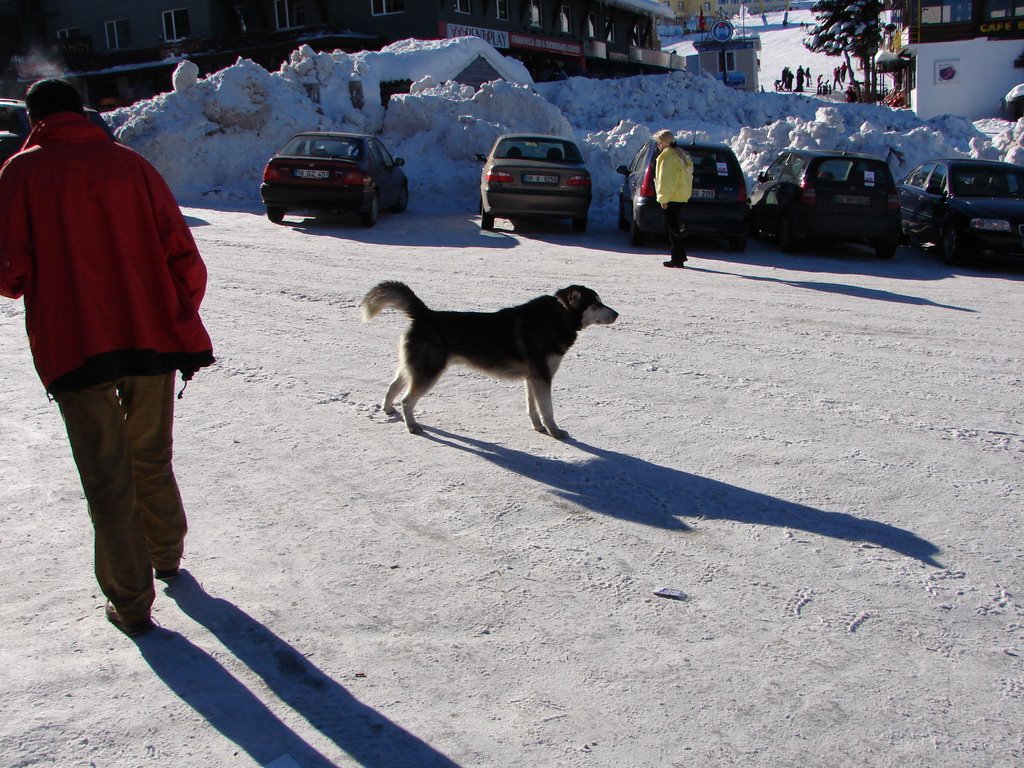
(120, 434)
(676, 230)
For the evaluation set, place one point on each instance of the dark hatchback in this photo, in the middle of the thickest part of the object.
(717, 206)
(829, 196)
(966, 207)
(326, 172)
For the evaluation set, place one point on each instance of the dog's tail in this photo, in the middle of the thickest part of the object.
(395, 295)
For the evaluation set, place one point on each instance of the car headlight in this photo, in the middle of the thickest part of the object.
(991, 225)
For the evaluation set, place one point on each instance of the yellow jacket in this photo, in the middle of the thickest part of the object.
(673, 176)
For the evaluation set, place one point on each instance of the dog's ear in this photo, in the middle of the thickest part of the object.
(572, 296)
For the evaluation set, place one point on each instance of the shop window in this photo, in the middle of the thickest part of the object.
(1004, 9)
(946, 11)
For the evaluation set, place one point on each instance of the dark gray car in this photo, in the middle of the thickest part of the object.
(829, 196)
(718, 203)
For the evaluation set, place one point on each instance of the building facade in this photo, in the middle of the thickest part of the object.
(958, 57)
(121, 51)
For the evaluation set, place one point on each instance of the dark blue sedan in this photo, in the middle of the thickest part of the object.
(968, 208)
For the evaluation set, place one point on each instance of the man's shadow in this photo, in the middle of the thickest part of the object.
(629, 488)
(367, 736)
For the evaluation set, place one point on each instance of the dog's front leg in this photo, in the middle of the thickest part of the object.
(531, 408)
(540, 401)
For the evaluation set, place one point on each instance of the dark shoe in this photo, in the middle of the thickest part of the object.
(166, 573)
(675, 264)
(130, 628)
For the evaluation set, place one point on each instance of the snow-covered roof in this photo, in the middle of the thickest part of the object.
(652, 7)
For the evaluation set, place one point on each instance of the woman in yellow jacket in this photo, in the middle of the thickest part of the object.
(673, 183)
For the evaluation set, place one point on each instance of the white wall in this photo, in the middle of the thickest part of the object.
(984, 73)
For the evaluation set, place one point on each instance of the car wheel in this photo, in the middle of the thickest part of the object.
(371, 213)
(275, 214)
(636, 235)
(579, 225)
(403, 200)
(737, 244)
(486, 219)
(785, 236)
(885, 250)
(623, 221)
(951, 245)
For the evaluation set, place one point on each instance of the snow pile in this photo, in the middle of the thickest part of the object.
(211, 137)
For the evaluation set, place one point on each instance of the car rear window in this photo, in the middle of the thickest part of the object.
(852, 171)
(712, 165)
(554, 150)
(324, 146)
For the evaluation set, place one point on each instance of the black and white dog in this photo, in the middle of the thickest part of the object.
(524, 342)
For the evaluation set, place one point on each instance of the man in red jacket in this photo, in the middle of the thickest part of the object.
(93, 239)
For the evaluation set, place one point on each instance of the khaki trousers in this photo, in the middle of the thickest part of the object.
(121, 435)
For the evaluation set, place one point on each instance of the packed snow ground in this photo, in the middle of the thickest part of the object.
(823, 451)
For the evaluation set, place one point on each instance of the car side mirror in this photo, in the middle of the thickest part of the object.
(481, 158)
(623, 170)
(399, 161)
(763, 176)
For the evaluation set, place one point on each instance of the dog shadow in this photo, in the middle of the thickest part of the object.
(367, 736)
(617, 485)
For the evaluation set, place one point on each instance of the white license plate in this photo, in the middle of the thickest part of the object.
(539, 178)
(703, 194)
(852, 200)
(306, 173)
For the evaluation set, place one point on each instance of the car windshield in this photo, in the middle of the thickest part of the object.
(324, 146)
(710, 165)
(553, 150)
(855, 171)
(987, 181)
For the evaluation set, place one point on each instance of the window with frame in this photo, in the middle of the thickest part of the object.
(591, 25)
(463, 6)
(289, 13)
(1004, 9)
(501, 9)
(946, 11)
(118, 34)
(609, 32)
(242, 17)
(565, 19)
(535, 13)
(384, 7)
(176, 25)
(68, 32)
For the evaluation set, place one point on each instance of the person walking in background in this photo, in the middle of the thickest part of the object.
(673, 184)
(92, 238)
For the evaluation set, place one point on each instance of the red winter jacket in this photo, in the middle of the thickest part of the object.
(93, 239)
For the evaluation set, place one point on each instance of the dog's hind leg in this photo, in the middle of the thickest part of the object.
(396, 388)
(539, 398)
(420, 383)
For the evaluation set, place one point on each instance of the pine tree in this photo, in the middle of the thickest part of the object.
(848, 28)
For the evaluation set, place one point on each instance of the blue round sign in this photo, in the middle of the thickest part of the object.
(721, 31)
